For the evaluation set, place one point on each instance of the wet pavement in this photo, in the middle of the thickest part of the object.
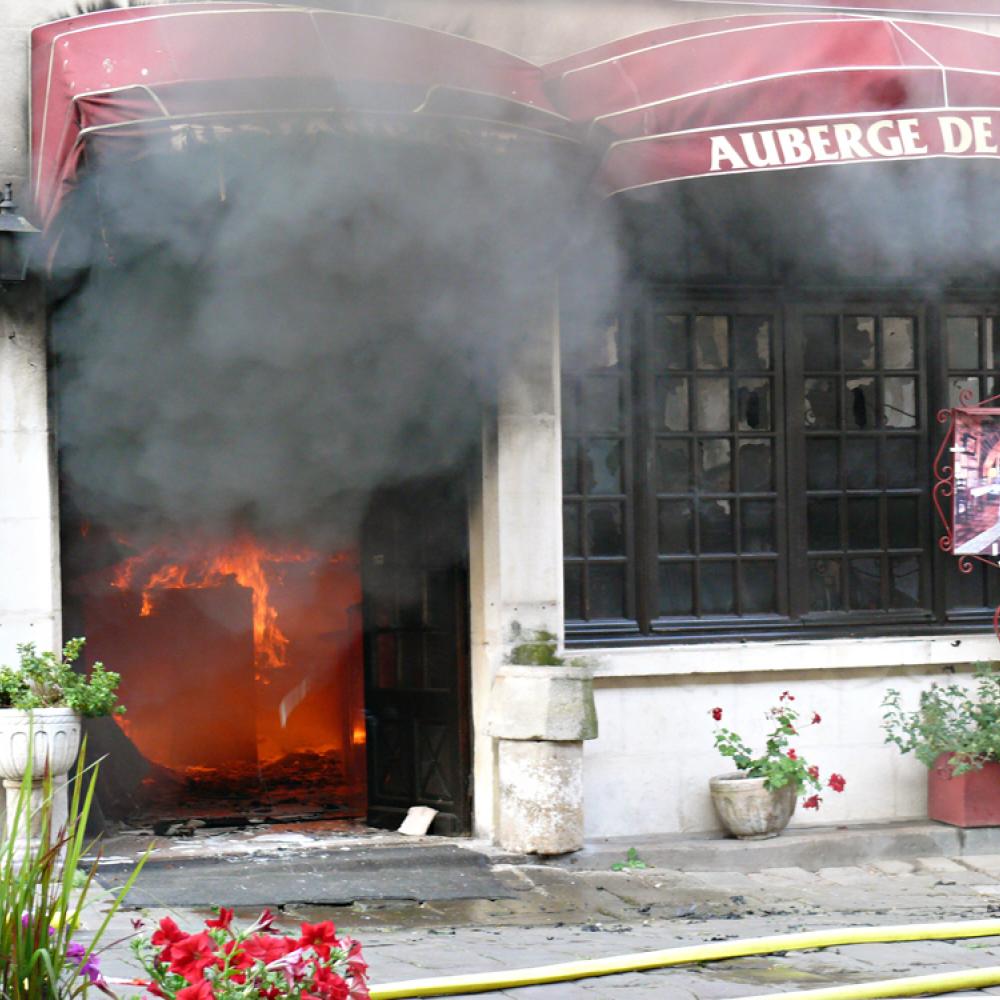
(427, 906)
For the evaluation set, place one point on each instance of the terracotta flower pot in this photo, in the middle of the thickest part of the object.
(970, 799)
(747, 809)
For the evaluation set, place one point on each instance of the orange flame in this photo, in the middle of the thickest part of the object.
(243, 558)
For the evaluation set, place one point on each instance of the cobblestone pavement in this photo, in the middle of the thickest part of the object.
(556, 915)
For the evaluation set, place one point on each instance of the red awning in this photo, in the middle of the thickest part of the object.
(773, 92)
(130, 70)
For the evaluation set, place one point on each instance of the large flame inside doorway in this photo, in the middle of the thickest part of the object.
(242, 674)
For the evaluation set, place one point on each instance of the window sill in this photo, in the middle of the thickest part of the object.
(792, 655)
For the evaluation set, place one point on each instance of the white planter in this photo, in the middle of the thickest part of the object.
(48, 738)
(747, 809)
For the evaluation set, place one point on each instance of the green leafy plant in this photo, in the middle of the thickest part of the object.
(43, 890)
(632, 862)
(48, 680)
(963, 722)
(780, 764)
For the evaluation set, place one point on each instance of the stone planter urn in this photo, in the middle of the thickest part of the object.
(747, 809)
(540, 716)
(48, 738)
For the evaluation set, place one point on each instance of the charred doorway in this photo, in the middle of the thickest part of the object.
(269, 681)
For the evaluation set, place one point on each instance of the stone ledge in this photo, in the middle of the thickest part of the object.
(809, 848)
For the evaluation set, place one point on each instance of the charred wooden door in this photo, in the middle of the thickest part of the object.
(416, 655)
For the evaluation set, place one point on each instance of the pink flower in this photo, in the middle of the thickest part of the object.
(792, 755)
(837, 782)
(812, 802)
(717, 714)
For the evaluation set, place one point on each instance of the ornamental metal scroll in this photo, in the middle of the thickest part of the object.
(967, 480)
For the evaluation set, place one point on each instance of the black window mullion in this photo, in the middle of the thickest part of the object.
(644, 535)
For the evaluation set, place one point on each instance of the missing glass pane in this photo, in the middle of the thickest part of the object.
(753, 404)
(601, 402)
(859, 403)
(820, 410)
(572, 544)
(670, 343)
(573, 590)
(752, 342)
(859, 342)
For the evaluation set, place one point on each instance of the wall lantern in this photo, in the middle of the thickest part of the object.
(15, 235)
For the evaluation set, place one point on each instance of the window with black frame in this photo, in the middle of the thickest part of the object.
(751, 468)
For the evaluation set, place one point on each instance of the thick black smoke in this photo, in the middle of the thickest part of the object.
(264, 330)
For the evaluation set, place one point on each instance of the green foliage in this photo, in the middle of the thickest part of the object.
(632, 862)
(48, 680)
(43, 891)
(535, 649)
(950, 719)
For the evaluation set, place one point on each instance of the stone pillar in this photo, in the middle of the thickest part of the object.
(516, 582)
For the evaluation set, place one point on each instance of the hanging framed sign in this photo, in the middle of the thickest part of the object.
(967, 484)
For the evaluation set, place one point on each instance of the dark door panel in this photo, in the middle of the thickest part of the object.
(416, 654)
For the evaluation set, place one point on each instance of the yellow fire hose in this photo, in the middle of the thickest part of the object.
(639, 961)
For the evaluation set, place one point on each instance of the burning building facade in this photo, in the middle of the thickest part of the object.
(355, 343)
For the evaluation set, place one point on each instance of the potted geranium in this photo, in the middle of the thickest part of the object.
(757, 801)
(955, 733)
(42, 701)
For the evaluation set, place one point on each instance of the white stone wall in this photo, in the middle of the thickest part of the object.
(29, 535)
(648, 770)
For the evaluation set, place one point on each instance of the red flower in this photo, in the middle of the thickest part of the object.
(837, 782)
(330, 985)
(265, 921)
(817, 718)
(786, 696)
(321, 937)
(268, 948)
(717, 714)
(792, 755)
(168, 933)
(814, 772)
(812, 802)
(222, 921)
(190, 957)
(197, 991)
